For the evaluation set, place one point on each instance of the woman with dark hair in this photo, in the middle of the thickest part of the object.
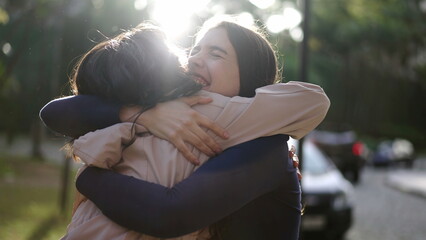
(137, 67)
(211, 53)
(255, 56)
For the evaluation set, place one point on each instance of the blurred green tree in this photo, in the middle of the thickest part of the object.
(40, 41)
(369, 56)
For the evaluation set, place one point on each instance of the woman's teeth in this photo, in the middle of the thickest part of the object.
(201, 81)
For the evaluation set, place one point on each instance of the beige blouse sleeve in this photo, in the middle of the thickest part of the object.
(103, 148)
(293, 108)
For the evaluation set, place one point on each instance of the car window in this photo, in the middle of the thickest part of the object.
(314, 161)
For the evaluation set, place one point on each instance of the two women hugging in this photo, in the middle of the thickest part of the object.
(132, 89)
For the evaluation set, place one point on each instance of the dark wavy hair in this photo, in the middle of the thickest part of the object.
(138, 66)
(256, 57)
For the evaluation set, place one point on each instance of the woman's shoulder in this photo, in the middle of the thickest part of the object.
(289, 87)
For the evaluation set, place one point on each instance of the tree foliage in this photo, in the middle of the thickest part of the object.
(369, 56)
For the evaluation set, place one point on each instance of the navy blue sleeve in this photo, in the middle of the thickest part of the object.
(77, 115)
(218, 188)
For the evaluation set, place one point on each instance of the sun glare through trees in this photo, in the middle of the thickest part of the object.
(175, 17)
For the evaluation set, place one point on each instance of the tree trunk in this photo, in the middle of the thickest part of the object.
(36, 135)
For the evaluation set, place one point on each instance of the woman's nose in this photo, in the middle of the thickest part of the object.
(196, 60)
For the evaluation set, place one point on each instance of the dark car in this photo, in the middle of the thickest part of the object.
(344, 149)
(391, 152)
(327, 196)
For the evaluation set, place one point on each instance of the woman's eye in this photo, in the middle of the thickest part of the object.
(214, 54)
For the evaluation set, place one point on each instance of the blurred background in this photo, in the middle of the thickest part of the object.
(364, 167)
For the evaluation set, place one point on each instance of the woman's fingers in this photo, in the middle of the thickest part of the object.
(292, 154)
(292, 151)
(182, 148)
(202, 141)
(212, 126)
(295, 161)
(203, 120)
(178, 123)
(194, 100)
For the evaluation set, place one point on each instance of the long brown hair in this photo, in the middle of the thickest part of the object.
(138, 66)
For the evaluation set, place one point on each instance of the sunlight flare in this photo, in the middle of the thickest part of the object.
(289, 19)
(140, 4)
(175, 16)
(7, 49)
(263, 4)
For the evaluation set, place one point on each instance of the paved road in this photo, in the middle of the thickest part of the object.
(384, 212)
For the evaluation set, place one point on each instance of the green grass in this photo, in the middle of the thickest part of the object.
(29, 200)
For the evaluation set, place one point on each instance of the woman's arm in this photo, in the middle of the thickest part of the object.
(293, 108)
(219, 187)
(75, 116)
(103, 148)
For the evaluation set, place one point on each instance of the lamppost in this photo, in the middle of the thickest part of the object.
(304, 59)
(304, 50)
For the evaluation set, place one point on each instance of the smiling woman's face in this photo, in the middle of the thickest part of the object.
(213, 63)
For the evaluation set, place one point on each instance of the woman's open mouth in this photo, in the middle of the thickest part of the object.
(200, 80)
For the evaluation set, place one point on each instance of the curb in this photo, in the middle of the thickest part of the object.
(408, 182)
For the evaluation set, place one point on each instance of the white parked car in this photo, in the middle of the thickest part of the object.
(327, 195)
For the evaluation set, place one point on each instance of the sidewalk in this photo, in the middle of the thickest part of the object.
(411, 181)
